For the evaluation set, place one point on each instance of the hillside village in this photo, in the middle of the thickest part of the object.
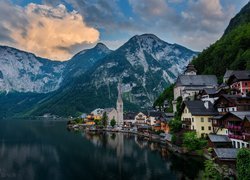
(218, 114)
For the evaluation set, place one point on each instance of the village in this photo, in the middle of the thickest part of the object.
(208, 118)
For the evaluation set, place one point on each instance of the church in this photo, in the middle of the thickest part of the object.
(117, 113)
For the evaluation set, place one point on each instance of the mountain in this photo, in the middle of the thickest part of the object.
(231, 51)
(24, 72)
(145, 65)
(85, 59)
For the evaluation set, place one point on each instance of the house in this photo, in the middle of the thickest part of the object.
(196, 115)
(229, 103)
(219, 141)
(97, 113)
(210, 94)
(237, 126)
(189, 84)
(140, 119)
(240, 81)
(129, 119)
(225, 156)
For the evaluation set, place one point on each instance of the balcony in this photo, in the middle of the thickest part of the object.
(233, 127)
(235, 136)
(186, 122)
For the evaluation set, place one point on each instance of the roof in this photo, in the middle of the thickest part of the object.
(218, 138)
(108, 110)
(169, 114)
(197, 80)
(198, 108)
(235, 99)
(190, 68)
(226, 153)
(247, 117)
(156, 114)
(210, 90)
(241, 75)
(129, 115)
(241, 114)
(228, 73)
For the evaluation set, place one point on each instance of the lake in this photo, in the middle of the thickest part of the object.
(45, 149)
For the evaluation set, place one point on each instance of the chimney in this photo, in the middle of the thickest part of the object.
(206, 104)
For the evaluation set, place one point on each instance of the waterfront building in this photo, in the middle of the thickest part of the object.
(219, 141)
(196, 116)
(236, 125)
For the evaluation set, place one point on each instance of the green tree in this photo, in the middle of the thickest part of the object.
(175, 124)
(192, 142)
(243, 164)
(97, 122)
(112, 122)
(210, 171)
(104, 119)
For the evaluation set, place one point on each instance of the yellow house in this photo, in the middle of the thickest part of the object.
(196, 115)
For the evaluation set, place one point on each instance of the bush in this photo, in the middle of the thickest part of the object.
(210, 171)
(191, 142)
(243, 164)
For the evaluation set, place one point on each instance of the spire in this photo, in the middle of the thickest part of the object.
(190, 70)
(119, 87)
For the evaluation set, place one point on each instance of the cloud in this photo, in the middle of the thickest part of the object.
(196, 25)
(44, 30)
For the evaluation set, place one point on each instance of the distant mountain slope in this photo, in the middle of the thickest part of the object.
(24, 72)
(145, 65)
(85, 59)
(242, 18)
(232, 51)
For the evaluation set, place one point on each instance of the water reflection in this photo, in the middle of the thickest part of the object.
(44, 150)
(152, 159)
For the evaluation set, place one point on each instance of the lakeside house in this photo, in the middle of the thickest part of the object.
(236, 126)
(219, 141)
(189, 84)
(196, 116)
(225, 156)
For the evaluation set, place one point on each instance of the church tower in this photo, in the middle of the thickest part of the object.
(119, 106)
(190, 70)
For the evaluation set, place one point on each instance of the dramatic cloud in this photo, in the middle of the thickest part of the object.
(47, 31)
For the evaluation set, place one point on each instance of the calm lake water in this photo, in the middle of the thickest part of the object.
(44, 150)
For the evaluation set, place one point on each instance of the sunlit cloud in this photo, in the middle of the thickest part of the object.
(50, 32)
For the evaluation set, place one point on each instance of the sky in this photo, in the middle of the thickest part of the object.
(58, 29)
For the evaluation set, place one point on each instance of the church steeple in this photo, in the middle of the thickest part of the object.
(190, 70)
(119, 106)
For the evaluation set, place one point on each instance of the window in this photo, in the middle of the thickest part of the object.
(202, 119)
(193, 127)
(209, 128)
(209, 120)
(192, 119)
(242, 144)
(247, 145)
(202, 128)
(238, 144)
(245, 83)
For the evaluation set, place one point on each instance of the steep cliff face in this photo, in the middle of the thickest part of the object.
(24, 72)
(145, 65)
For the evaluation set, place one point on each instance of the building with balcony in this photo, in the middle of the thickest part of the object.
(239, 81)
(231, 103)
(236, 126)
(196, 115)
